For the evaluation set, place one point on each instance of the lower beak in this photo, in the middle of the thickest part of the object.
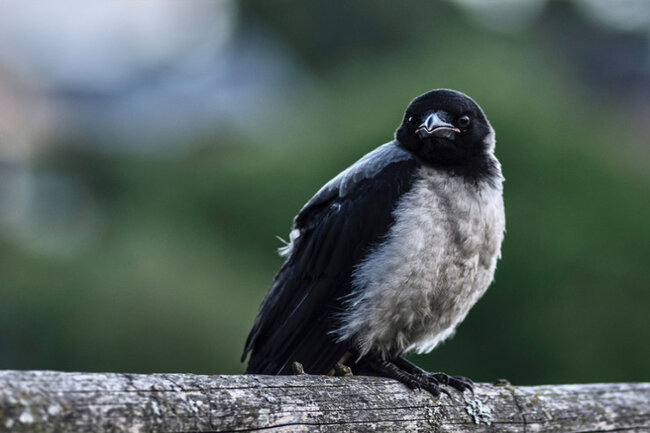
(434, 126)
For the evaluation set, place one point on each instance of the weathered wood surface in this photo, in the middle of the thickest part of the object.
(48, 401)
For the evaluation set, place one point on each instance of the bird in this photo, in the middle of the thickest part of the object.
(389, 256)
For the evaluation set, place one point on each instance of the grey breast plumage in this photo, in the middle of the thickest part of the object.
(436, 261)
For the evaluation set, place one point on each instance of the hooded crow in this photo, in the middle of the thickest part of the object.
(389, 256)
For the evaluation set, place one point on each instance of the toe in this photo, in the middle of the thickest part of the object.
(461, 383)
(433, 388)
(440, 377)
(457, 382)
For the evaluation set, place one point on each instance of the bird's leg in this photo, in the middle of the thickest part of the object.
(389, 369)
(459, 382)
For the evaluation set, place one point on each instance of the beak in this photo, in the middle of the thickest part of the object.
(435, 126)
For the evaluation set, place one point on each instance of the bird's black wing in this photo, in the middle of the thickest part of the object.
(337, 228)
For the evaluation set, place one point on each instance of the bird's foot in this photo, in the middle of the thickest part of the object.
(413, 381)
(342, 370)
(297, 368)
(427, 383)
(458, 382)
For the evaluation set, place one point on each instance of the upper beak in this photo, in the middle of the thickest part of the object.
(434, 126)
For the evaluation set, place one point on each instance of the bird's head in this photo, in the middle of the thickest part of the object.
(446, 128)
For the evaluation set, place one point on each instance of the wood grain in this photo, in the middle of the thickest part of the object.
(49, 401)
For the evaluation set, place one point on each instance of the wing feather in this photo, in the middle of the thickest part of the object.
(337, 229)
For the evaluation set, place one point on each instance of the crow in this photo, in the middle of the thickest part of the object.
(389, 256)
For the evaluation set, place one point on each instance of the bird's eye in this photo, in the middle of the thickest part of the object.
(463, 121)
(410, 119)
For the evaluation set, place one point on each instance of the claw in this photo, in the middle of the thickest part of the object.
(433, 389)
(429, 384)
(458, 382)
(461, 383)
(465, 379)
(415, 378)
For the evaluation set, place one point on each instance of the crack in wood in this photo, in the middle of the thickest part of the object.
(111, 402)
(520, 409)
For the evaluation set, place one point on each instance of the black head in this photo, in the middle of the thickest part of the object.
(447, 129)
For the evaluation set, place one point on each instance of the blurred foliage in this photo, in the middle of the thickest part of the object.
(187, 246)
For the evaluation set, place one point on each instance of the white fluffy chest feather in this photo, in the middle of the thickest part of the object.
(437, 260)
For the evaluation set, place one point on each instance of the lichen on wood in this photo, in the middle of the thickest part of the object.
(48, 401)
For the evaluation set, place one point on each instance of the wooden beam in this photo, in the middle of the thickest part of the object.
(49, 401)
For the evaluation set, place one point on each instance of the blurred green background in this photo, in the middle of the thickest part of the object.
(149, 158)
